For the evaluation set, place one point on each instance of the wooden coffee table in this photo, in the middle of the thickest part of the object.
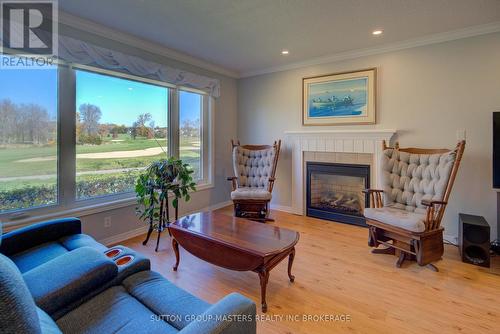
(235, 243)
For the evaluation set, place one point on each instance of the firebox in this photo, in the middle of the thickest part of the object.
(334, 191)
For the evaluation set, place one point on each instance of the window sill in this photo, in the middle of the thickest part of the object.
(86, 210)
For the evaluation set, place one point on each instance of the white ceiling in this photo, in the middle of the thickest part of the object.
(247, 36)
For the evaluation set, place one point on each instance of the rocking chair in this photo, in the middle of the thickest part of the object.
(406, 215)
(254, 169)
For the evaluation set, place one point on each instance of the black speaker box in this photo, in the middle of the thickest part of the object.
(474, 240)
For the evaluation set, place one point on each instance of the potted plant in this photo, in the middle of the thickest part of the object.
(162, 178)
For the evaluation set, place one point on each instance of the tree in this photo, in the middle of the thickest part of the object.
(37, 123)
(25, 123)
(90, 115)
(190, 128)
(139, 127)
(7, 121)
(78, 126)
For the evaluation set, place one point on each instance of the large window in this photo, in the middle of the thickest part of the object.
(109, 127)
(121, 127)
(190, 138)
(28, 138)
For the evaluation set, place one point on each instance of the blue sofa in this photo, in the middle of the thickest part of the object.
(34, 245)
(79, 289)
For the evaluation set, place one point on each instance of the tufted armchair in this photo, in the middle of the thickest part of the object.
(405, 216)
(254, 170)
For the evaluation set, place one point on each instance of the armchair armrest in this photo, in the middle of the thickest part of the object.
(36, 234)
(426, 202)
(375, 197)
(369, 191)
(435, 211)
(233, 179)
(232, 314)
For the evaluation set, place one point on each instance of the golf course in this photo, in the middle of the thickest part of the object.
(108, 168)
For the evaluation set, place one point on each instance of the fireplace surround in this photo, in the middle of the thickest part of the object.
(331, 142)
(334, 191)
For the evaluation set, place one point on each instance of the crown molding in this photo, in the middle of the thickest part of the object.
(103, 31)
(412, 43)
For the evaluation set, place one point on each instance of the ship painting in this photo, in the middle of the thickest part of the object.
(334, 102)
(339, 98)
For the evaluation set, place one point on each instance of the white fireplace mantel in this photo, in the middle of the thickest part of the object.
(335, 141)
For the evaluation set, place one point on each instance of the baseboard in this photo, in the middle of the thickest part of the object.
(284, 208)
(143, 229)
(451, 239)
(216, 206)
(124, 236)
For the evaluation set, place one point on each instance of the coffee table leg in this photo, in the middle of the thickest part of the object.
(175, 246)
(264, 277)
(290, 263)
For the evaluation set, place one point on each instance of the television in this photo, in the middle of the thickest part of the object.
(496, 149)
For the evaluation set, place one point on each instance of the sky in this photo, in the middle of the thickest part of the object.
(338, 86)
(30, 86)
(120, 100)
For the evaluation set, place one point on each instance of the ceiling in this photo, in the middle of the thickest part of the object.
(247, 36)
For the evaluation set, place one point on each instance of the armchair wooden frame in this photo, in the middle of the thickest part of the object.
(424, 247)
(252, 208)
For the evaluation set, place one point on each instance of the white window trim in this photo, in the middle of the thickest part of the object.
(67, 205)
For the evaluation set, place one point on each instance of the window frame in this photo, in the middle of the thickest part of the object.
(67, 202)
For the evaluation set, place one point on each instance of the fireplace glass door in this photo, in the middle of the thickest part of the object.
(335, 191)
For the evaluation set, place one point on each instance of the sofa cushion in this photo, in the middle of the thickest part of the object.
(212, 320)
(407, 220)
(40, 254)
(75, 241)
(17, 308)
(69, 277)
(113, 311)
(163, 297)
(251, 193)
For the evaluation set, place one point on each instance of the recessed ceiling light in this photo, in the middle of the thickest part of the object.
(284, 52)
(377, 32)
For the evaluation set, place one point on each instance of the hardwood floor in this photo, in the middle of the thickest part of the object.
(336, 274)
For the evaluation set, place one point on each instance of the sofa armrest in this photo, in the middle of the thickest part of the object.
(69, 277)
(36, 234)
(232, 314)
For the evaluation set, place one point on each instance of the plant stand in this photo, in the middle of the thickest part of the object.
(163, 223)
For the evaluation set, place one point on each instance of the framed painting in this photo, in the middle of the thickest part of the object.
(342, 98)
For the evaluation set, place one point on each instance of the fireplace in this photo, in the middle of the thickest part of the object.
(334, 191)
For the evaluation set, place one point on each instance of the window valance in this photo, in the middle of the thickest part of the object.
(75, 51)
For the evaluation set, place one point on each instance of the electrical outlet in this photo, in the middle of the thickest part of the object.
(107, 222)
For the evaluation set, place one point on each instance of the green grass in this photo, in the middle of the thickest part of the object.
(128, 144)
(16, 184)
(12, 164)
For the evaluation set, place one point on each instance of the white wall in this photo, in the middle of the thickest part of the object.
(426, 93)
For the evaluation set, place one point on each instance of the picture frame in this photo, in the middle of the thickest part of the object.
(340, 98)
